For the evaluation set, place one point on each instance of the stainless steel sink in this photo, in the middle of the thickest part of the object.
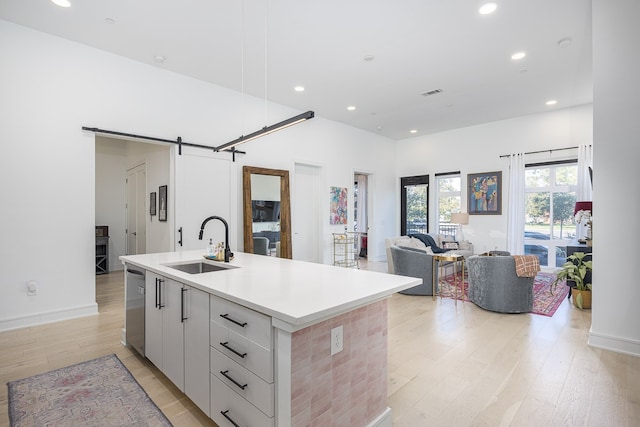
(199, 267)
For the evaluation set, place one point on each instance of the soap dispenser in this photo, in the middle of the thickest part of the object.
(211, 250)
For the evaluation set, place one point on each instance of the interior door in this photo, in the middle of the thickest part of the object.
(305, 219)
(202, 190)
(136, 210)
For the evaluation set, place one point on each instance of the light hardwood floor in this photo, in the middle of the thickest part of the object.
(448, 365)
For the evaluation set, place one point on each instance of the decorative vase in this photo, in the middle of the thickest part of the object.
(581, 299)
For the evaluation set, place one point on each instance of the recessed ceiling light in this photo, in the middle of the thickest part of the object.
(109, 20)
(488, 8)
(380, 128)
(159, 59)
(413, 131)
(552, 102)
(518, 55)
(299, 88)
(61, 3)
(351, 108)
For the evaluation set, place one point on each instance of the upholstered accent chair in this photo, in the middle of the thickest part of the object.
(494, 285)
(260, 245)
(414, 263)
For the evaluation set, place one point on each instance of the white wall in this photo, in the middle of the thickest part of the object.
(52, 87)
(616, 59)
(478, 149)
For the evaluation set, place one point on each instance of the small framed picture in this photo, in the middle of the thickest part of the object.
(162, 202)
(152, 204)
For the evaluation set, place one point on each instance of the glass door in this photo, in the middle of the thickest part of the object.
(414, 204)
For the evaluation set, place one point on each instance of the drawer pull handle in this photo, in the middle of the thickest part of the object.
(224, 414)
(226, 317)
(224, 344)
(225, 374)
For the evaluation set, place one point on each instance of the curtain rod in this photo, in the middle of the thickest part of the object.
(178, 141)
(447, 173)
(543, 151)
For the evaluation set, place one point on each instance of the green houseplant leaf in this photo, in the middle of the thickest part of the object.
(575, 270)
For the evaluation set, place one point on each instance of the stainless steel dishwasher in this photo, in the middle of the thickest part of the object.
(135, 309)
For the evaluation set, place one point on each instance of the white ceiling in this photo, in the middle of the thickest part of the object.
(417, 45)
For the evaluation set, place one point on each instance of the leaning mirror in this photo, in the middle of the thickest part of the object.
(267, 211)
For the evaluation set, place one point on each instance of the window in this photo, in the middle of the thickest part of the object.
(449, 200)
(549, 202)
(414, 204)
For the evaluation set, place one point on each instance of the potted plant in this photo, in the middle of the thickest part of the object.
(574, 271)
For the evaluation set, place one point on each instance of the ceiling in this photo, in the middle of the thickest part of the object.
(376, 55)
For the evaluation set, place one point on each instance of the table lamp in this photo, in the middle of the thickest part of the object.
(460, 219)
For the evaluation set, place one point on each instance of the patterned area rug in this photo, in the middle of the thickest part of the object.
(544, 302)
(100, 392)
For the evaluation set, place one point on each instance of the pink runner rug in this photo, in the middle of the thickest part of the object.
(100, 392)
(544, 302)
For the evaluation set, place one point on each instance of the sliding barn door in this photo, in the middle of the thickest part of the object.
(203, 188)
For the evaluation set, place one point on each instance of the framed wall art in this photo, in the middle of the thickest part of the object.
(338, 205)
(152, 204)
(484, 193)
(162, 203)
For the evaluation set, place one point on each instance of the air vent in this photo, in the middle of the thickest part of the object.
(432, 92)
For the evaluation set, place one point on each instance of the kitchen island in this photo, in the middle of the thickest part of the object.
(271, 341)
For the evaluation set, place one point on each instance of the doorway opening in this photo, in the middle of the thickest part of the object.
(145, 166)
(361, 202)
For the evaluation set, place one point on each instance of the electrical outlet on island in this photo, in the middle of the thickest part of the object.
(337, 340)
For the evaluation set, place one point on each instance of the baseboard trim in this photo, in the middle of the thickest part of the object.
(617, 344)
(48, 317)
(383, 420)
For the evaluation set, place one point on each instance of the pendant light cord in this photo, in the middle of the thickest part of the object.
(266, 56)
(242, 73)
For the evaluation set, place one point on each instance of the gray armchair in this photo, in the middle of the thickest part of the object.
(494, 285)
(414, 263)
(260, 245)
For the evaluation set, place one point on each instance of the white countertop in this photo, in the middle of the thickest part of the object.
(296, 293)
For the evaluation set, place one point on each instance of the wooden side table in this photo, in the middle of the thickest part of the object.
(436, 262)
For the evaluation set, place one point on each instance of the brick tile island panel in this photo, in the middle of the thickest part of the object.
(348, 388)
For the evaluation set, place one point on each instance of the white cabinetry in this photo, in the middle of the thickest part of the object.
(196, 347)
(177, 335)
(242, 378)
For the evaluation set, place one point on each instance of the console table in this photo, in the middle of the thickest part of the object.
(576, 246)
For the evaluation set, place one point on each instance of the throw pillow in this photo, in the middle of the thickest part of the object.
(451, 245)
(415, 243)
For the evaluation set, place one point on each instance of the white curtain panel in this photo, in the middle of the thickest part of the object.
(584, 190)
(362, 203)
(515, 219)
(585, 161)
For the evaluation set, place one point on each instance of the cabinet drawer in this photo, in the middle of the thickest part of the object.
(243, 413)
(244, 321)
(247, 384)
(242, 350)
